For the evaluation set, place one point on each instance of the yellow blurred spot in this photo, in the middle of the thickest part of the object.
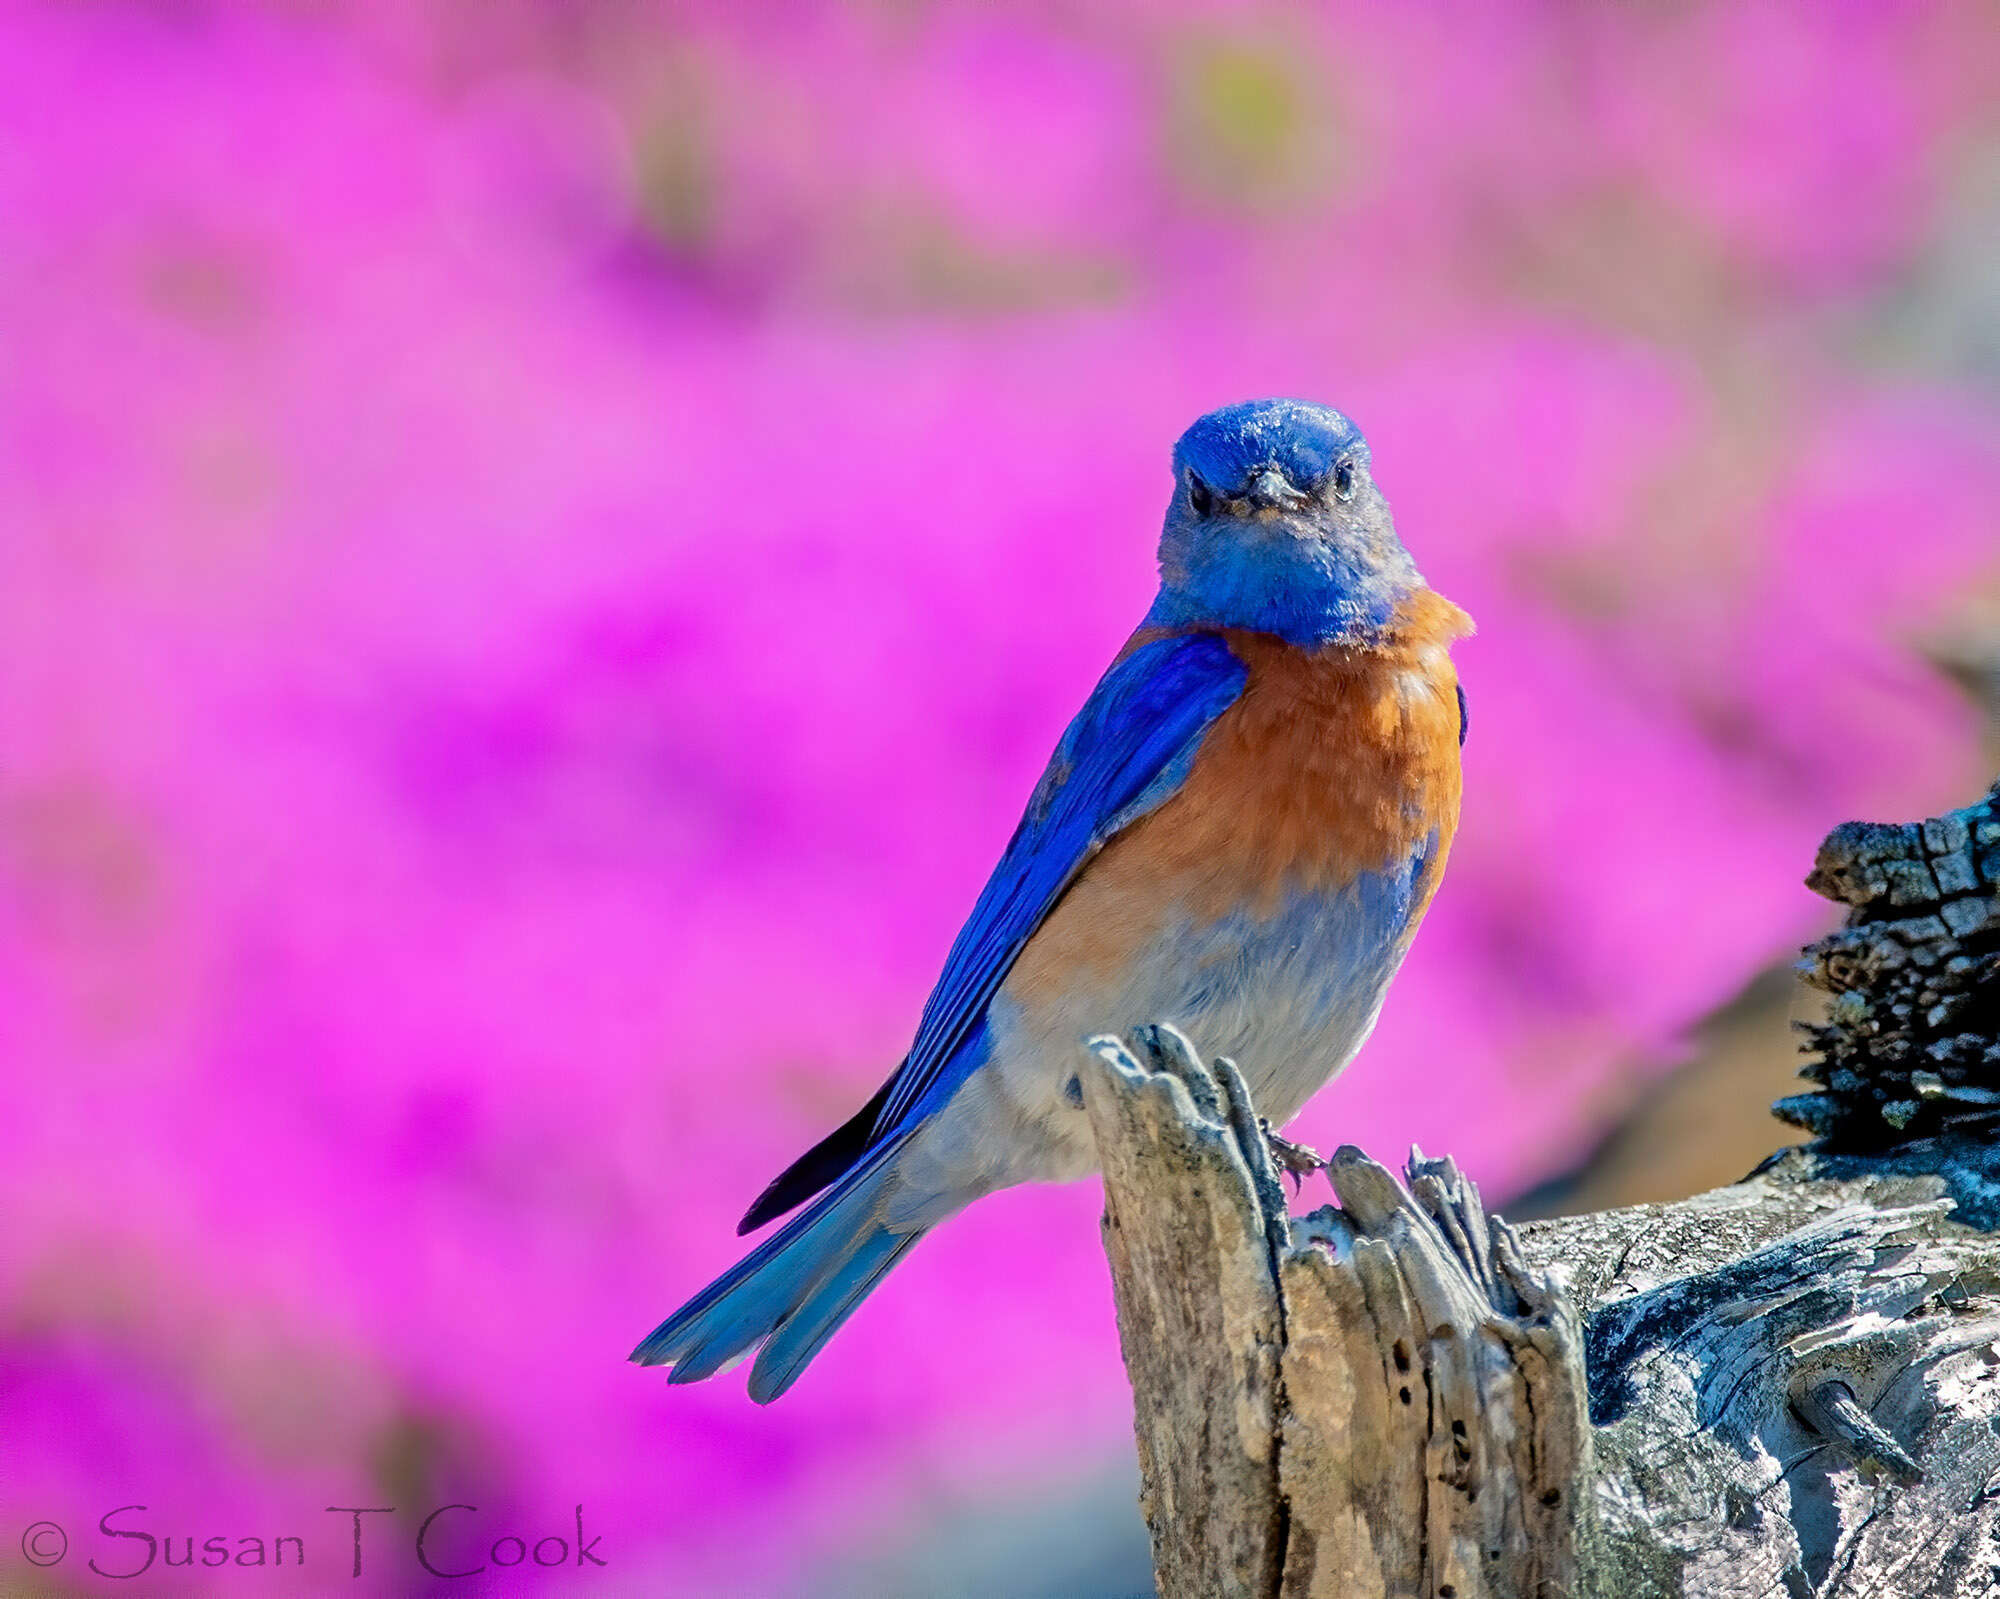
(1242, 125)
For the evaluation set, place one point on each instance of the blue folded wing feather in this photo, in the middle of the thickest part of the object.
(1125, 753)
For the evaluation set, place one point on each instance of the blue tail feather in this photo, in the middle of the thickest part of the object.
(807, 1329)
(755, 1297)
(790, 1293)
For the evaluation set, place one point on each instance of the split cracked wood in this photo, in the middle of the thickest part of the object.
(1788, 1387)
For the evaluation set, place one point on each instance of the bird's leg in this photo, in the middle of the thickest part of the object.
(1296, 1161)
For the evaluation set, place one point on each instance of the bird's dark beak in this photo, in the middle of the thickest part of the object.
(1270, 490)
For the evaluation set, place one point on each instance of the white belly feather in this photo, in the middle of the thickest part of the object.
(1289, 998)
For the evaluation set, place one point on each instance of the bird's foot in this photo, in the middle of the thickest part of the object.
(1296, 1161)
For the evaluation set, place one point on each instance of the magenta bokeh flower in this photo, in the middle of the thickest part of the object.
(541, 557)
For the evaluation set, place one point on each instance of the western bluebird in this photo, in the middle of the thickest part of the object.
(1238, 834)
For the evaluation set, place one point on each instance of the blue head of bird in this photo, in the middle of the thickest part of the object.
(1276, 526)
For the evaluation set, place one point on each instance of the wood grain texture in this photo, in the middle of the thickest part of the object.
(1792, 1384)
(1374, 1396)
(1437, 1437)
(1198, 1311)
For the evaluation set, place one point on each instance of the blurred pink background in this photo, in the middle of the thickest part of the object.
(542, 549)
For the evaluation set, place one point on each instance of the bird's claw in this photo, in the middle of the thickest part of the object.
(1296, 1161)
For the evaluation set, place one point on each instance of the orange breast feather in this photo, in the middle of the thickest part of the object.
(1331, 763)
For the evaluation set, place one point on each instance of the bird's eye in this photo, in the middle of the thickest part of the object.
(1199, 495)
(1343, 481)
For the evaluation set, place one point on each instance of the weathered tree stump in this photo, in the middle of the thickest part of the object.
(1788, 1387)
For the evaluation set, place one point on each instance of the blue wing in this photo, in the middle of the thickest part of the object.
(1127, 751)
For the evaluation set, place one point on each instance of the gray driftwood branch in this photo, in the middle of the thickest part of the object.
(1788, 1387)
